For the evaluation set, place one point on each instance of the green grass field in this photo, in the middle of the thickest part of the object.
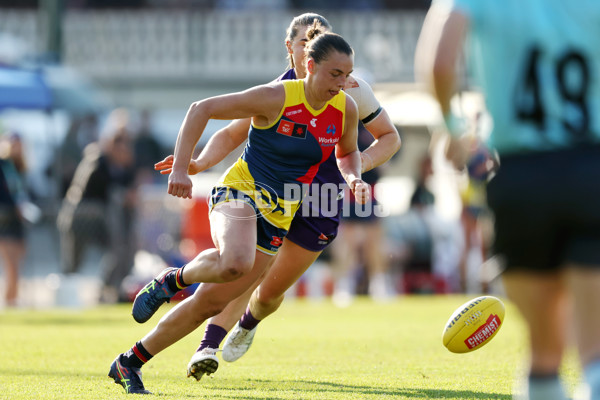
(308, 350)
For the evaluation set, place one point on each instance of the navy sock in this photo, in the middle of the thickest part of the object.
(213, 336)
(175, 280)
(248, 321)
(136, 356)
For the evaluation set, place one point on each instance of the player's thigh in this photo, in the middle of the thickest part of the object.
(291, 262)
(542, 301)
(584, 284)
(233, 228)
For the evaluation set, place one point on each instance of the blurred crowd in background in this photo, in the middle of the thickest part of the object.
(84, 218)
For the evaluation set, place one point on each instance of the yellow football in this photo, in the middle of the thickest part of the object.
(473, 324)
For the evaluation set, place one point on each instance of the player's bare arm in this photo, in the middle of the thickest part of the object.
(221, 144)
(348, 156)
(387, 142)
(263, 103)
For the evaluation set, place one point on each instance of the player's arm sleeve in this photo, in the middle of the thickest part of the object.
(368, 105)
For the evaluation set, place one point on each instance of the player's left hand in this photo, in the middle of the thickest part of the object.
(166, 166)
(361, 191)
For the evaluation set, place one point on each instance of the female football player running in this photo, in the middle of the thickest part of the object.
(311, 231)
(251, 210)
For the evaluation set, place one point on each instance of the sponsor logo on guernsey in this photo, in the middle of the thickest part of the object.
(293, 112)
(299, 131)
(313, 122)
(325, 239)
(285, 127)
(484, 332)
(276, 241)
(326, 142)
(292, 129)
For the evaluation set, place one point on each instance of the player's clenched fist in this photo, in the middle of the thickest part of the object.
(362, 191)
(180, 185)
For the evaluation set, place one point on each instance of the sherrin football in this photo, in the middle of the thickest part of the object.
(473, 324)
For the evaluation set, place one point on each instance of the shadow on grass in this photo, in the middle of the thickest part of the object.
(321, 389)
(75, 318)
(259, 389)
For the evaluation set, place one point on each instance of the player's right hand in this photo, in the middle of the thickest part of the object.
(180, 185)
(361, 190)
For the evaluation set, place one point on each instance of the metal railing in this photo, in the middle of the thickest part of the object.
(213, 46)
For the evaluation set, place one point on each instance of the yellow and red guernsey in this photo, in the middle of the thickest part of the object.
(288, 152)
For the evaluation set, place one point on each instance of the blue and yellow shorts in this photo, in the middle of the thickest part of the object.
(271, 222)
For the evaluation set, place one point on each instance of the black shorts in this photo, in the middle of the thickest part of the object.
(547, 209)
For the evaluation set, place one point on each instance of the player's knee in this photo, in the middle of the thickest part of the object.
(234, 266)
(206, 305)
(214, 309)
(268, 300)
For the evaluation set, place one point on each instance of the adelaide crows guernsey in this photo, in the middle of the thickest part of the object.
(279, 158)
(368, 109)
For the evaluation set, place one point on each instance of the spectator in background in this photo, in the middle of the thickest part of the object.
(422, 196)
(98, 209)
(361, 242)
(12, 229)
(83, 131)
(425, 243)
(418, 267)
(147, 150)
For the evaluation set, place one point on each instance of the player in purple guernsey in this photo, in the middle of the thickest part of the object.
(308, 235)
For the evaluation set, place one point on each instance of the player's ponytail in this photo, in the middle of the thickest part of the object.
(306, 19)
(315, 30)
